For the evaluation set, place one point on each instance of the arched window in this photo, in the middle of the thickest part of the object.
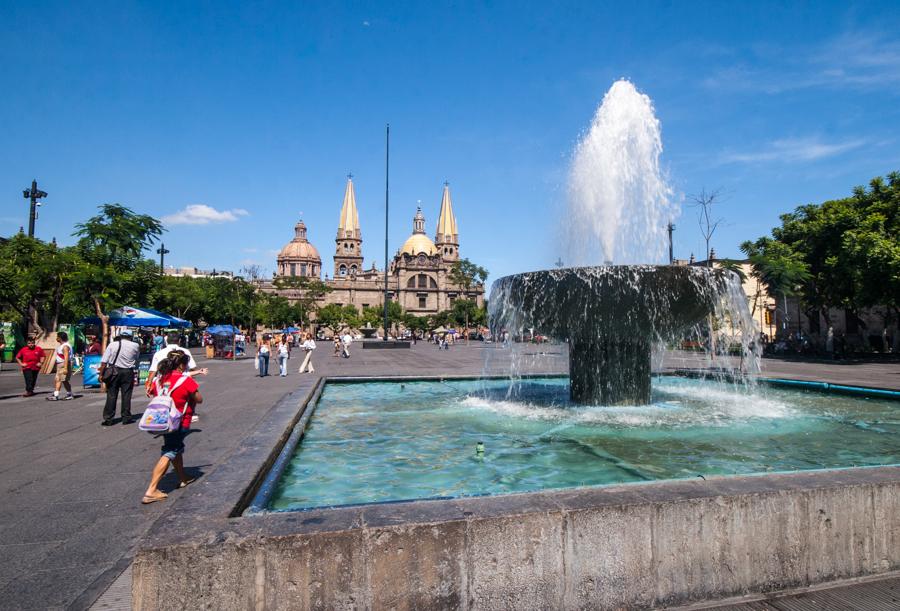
(342, 270)
(352, 270)
(431, 283)
(423, 281)
(411, 283)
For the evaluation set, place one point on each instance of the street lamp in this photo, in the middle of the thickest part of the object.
(34, 194)
(670, 228)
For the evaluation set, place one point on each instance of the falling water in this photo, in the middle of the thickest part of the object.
(619, 201)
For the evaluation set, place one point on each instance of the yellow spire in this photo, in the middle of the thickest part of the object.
(446, 225)
(349, 215)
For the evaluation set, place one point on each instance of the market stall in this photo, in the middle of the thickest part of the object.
(222, 338)
(136, 319)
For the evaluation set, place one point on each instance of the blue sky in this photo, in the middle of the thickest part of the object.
(259, 110)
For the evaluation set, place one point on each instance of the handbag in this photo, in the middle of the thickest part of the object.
(111, 370)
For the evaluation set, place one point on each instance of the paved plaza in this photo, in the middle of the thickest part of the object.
(71, 515)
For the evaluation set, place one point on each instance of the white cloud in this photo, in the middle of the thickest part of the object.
(201, 214)
(793, 150)
(853, 61)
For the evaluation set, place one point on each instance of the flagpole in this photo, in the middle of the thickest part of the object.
(387, 166)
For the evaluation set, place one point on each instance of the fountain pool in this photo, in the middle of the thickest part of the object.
(374, 442)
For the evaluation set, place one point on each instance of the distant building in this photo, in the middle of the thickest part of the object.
(418, 274)
(762, 305)
(194, 272)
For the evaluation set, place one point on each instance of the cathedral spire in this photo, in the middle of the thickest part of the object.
(446, 226)
(447, 237)
(349, 215)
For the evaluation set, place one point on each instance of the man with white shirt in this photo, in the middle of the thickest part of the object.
(346, 340)
(171, 344)
(121, 358)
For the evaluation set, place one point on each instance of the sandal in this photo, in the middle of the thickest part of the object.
(152, 499)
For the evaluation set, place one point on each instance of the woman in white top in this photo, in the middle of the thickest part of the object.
(283, 354)
(308, 346)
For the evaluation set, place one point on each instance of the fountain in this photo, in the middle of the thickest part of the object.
(612, 315)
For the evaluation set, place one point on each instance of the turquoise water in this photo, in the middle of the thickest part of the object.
(386, 441)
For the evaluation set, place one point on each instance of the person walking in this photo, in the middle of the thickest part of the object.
(30, 358)
(186, 396)
(336, 342)
(346, 340)
(283, 354)
(2, 348)
(172, 343)
(64, 358)
(120, 359)
(308, 346)
(262, 354)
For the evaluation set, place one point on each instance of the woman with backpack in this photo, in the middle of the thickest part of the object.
(172, 380)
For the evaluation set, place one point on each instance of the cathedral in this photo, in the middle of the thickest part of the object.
(418, 274)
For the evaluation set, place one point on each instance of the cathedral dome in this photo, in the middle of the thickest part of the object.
(299, 250)
(299, 257)
(419, 243)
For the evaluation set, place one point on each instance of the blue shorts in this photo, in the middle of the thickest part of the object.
(173, 444)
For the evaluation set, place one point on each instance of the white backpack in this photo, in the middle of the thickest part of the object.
(161, 415)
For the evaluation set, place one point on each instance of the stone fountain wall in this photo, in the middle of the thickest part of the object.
(636, 546)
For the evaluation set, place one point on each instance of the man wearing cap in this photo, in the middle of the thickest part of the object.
(121, 358)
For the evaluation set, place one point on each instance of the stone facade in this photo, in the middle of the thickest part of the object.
(418, 274)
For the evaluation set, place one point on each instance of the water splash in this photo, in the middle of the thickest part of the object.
(619, 200)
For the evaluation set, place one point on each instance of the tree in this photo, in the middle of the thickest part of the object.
(110, 248)
(465, 275)
(336, 317)
(33, 280)
(705, 202)
(842, 253)
(306, 293)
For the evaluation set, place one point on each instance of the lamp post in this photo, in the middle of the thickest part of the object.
(670, 228)
(162, 251)
(34, 194)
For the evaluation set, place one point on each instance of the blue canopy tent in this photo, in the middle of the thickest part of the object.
(222, 330)
(291, 330)
(139, 317)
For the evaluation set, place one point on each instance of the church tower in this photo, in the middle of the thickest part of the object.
(348, 259)
(447, 237)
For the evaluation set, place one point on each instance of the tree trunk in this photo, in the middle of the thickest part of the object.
(104, 322)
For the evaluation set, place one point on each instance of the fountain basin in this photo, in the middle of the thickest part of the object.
(611, 316)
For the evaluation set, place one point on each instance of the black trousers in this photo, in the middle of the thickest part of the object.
(122, 382)
(30, 379)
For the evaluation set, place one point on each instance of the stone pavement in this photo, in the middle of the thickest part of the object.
(71, 489)
(71, 512)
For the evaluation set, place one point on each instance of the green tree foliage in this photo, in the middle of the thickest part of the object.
(306, 294)
(841, 253)
(335, 317)
(34, 277)
(110, 249)
(465, 275)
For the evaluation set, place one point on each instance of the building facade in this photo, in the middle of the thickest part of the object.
(418, 275)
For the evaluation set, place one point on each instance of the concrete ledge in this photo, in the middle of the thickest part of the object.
(633, 546)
